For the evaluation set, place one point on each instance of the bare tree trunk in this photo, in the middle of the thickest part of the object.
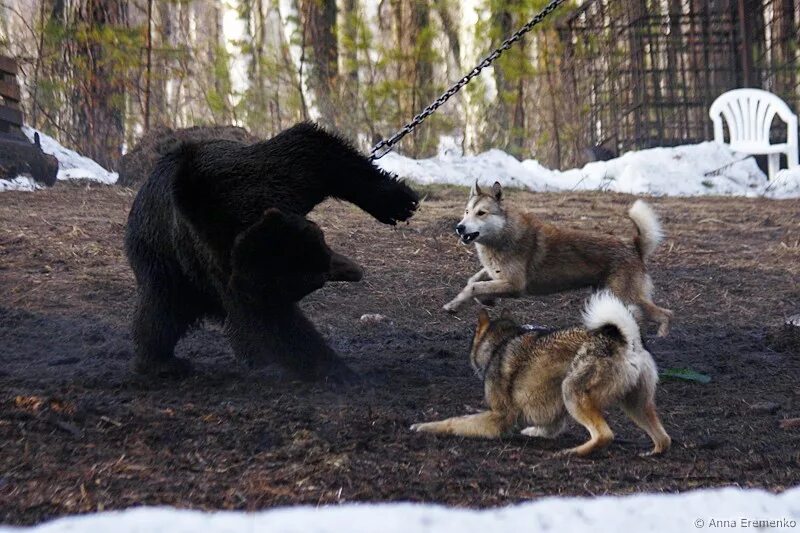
(38, 65)
(319, 26)
(159, 114)
(99, 106)
(450, 30)
(636, 12)
(411, 28)
(148, 64)
(787, 42)
(296, 74)
(349, 42)
(554, 107)
(509, 118)
(676, 87)
(502, 23)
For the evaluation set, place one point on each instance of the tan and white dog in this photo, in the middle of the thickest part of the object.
(521, 254)
(539, 379)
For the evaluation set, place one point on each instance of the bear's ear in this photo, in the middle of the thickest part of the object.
(273, 218)
(476, 190)
(497, 191)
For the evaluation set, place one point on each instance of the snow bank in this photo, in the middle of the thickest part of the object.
(71, 166)
(20, 183)
(691, 170)
(787, 183)
(691, 511)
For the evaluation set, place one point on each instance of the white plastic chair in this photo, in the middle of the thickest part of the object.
(749, 114)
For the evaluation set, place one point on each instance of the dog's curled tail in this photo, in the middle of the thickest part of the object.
(605, 309)
(649, 230)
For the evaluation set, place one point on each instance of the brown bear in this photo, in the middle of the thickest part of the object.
(219, 231)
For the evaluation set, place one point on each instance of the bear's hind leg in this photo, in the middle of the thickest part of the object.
(159, 322)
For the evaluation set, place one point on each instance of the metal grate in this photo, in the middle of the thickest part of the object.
(649, 70)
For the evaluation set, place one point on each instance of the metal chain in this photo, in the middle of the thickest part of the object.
(387, 145)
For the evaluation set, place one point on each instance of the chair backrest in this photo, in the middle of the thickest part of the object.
(749, 114)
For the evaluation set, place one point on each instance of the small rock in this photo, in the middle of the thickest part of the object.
(372, 318)
(767, 408)
(789, 423)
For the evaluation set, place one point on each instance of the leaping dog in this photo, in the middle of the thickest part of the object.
(521, 254)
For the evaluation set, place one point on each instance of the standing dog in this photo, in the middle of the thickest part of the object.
(520, 254)
(536, 378)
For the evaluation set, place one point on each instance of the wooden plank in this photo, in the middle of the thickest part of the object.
(9, 91)
(8, 65)
(12, 116)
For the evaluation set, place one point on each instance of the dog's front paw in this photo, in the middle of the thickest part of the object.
(452, 307)
(419, 428)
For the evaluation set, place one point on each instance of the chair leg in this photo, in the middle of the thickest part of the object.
(793, 157)
(773, 165)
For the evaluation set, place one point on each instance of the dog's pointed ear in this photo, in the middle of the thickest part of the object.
(497, 191)
(483, 318)
(505, 314)
(475, 191)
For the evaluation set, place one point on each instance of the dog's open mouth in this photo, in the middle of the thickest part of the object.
(467, 238)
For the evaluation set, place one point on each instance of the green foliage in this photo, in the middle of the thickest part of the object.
(685, 374)
(220, 92)
(390, 67)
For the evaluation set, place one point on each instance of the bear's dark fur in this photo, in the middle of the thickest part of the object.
(218, 230)
(138, 163)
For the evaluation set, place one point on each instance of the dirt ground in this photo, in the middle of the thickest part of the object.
(80, 433)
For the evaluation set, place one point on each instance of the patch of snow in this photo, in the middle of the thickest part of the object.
(786, 184)
(710, 509)
(71, 166)
(20, 183)
(450, 147)
(701, 169)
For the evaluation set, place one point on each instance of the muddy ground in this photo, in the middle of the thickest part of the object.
(80, 433)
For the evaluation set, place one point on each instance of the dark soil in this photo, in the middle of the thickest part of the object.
(80, 433)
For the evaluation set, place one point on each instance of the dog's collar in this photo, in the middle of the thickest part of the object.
(497, 351)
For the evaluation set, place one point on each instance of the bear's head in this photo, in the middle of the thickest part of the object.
(283, 257)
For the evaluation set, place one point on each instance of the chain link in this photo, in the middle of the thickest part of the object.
(387, 145)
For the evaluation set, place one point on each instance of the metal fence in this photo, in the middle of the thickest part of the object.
(648, 70)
